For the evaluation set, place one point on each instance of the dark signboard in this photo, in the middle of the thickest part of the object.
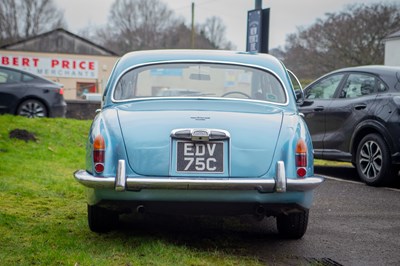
(254, 30)
(257, 30)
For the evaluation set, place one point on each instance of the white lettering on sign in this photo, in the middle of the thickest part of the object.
(211, 164)
(191, 149)
(55, 67)
(199, 155)
(200, 150)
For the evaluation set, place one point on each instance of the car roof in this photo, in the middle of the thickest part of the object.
(31, 74)
(148, 57)
(163, 56)
(390, 74)
(19, 70)
(378, 69)
(24, 72)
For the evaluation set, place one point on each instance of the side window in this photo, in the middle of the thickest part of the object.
(381, 87)
(295, 81)
(3, 77)
(126, 87)
(9, 76)
(325, 88)
(298, 89)
(358, 85)
(26, 78)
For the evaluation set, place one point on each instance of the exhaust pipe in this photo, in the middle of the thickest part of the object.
(259, 212)
(140, 209)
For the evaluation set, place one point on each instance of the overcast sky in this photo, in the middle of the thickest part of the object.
(286, 15)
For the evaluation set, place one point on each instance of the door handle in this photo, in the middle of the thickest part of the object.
(318, 108)
(360, 106)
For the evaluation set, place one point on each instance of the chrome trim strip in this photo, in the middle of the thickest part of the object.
(205, 61)
(120, 179)
(280, 177)
(304, 184)
(136, 184)
(209, 134)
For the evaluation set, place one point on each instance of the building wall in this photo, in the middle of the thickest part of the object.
(392, 52)
(75, 72)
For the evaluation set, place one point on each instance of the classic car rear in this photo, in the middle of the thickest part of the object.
(199, 132)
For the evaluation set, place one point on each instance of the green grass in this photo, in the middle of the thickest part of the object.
(318, 162)
(43, 210)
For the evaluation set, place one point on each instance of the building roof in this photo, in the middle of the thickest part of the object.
(394, 35)
(59, 41)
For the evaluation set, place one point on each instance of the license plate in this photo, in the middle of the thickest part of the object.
(205, 157)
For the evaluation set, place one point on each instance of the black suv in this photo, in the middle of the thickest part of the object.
(353, 115)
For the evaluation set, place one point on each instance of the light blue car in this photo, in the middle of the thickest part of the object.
(200, 132)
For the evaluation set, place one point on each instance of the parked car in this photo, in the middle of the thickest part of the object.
(236, 146)
(353, 115)
(26, 94)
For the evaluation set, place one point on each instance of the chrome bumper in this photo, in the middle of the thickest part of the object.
(121, 183)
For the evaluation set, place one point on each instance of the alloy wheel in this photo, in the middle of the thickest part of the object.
(32, 108)
(370, 159)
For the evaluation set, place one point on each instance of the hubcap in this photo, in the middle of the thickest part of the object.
(32, 109)
(370, 159)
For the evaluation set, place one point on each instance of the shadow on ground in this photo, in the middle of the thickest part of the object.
(346, 173)
(242, 236)
(342, 172)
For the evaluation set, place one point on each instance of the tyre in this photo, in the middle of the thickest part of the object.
(101, 220)
(32, 108)
(373, 162)
(292, 225)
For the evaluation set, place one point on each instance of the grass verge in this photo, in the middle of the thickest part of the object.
(43, 210)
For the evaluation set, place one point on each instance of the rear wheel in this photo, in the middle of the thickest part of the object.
(32, 108)
(292, 225)
(373, 161)
(101, 220)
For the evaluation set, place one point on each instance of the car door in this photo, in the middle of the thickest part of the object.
(11, 89)
(318, 97)
(352, 105)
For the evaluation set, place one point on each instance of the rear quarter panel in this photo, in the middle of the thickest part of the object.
(293, 129)
(106, 123)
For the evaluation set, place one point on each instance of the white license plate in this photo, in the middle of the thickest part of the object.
(205, 157)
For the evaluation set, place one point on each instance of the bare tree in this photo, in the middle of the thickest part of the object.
(24, 18)
(214, 30)
(150, 24)
(137, 25)
(180, 37)
(349, 38)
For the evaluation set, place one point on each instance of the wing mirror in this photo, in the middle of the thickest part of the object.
(299, 97)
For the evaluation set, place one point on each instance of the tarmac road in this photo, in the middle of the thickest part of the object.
(350, 224)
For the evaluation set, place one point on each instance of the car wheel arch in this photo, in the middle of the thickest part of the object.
(365, 128)
(30, 97)
(373, 160)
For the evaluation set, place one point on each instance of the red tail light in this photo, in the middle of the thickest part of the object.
(99, 147)
(61, 91)
(301, 158)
